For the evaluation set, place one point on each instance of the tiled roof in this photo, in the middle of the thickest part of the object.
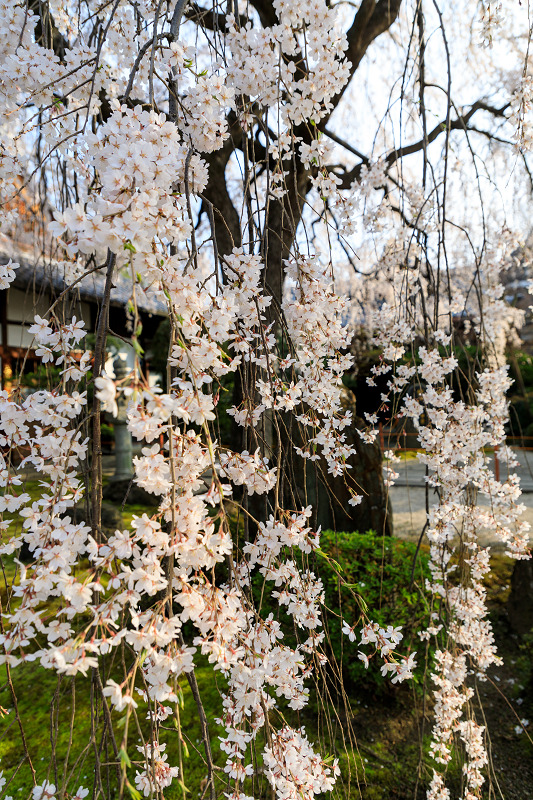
(91, 288)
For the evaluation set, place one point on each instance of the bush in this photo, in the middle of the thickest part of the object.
(520, 416)
(364, 572)
(377, 575)
(107, 432)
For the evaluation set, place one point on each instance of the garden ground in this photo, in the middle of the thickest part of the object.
(391, 725)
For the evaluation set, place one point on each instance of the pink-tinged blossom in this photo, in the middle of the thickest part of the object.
(294, 770)
(139, 173)
(158, 774)
(107, 393)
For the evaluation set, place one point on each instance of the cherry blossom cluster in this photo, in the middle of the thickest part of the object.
(264, 60)
(7, 273)
(47, 791)
(32, 73)
(259, 661)
(204, 108)
(37, 88)
(169, 556)
(158, 773)
(122, 113)
(293, 768)
(314, 320)
(520, 112)
(491, 21)
(140, 162)
(455, 436)
(384, 641)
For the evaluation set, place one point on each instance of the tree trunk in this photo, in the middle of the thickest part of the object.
(520, 604)
(329, 496)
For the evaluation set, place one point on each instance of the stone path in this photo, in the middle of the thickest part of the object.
(408, 497)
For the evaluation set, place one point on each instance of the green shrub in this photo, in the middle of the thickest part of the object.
(380, 576)
(525, 365)
(107, 431)
(520, 415)
(365, 577)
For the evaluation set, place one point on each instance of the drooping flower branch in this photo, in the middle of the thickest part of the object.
(132, 143)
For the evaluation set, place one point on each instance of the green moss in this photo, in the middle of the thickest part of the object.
(44, 698)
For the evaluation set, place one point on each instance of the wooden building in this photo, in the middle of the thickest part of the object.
(37, 285)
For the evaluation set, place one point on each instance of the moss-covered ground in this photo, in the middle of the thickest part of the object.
(387, 731)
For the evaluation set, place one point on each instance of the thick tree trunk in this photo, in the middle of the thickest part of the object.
(330, 495)
(520, 605)
(284, 216)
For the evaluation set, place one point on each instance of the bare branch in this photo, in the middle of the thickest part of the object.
(372, 19)
(460, 123)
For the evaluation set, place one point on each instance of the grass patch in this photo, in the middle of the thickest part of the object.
(56, 719)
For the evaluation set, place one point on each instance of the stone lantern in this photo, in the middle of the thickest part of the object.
(123, 441)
